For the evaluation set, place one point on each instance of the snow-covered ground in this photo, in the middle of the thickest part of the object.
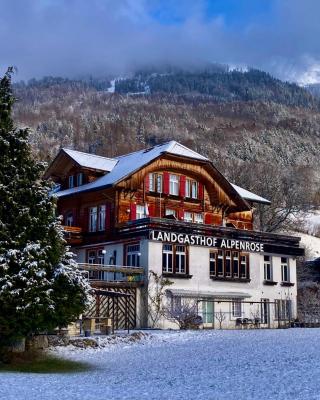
(252, 364)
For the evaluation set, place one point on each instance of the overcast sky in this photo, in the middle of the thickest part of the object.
(99, 37)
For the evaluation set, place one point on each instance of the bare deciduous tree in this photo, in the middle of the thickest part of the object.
(220, 317)
(184, 312)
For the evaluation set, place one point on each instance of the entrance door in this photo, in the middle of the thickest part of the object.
(207, 314)
(265, 311)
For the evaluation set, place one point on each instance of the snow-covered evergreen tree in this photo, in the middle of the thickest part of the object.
(40, 287)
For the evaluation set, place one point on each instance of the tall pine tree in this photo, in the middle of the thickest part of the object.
(40, 287)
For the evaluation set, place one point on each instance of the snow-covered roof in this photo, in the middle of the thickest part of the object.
(129, 163)
(245, 194)
(91, 160)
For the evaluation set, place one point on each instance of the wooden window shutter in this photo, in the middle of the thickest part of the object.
(166, 182)
(208, 219)
(180, 214)
(200, 191)
(133, 211)
(147, 183)
(152, 210)
(182, 187)
(108, 216)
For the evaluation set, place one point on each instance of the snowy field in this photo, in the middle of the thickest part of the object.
(252, 364)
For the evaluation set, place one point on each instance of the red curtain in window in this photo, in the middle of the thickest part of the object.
(147, 183)
(166, 182)
(133, 211)
(208, 219)
(182, 187)
(200, 191)
(108, 216)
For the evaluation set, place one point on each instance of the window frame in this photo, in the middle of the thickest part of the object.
(236, 308)
(102, 210)
(80, 179)
(71, 181)
(267, 268)
(190, 219)
(221, 258)
(142, 212)
(133, 250)
(174, 184)
(285, 267)
(93, 219)
(179, 259)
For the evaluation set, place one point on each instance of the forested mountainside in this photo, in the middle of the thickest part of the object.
(267, 144)
(314, 89)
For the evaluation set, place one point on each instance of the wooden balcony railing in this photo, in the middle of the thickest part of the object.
(100, 274)
(73, 234)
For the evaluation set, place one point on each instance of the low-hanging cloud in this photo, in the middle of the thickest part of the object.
(106, 37)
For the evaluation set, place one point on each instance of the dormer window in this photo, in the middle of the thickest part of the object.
(71, 181)
(80, 179)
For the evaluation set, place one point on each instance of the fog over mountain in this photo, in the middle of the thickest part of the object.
(77, 38)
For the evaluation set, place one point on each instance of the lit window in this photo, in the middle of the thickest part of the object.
(140, 213)
(236, 308)
(267, 268)
(102, 218)
(133, 255)
(285, 269)
(174, 185)
(198, 218)
(71, 181)
(187, 216)
(93, 219)
(79, 179)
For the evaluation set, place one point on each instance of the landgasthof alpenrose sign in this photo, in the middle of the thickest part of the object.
(168, 210)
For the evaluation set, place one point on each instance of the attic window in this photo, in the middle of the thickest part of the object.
(80, 179)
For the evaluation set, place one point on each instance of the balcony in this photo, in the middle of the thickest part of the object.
(100, 275)
(73, 234)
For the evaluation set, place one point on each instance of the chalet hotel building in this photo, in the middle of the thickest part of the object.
(168, 210)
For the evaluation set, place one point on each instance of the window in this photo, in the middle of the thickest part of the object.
(243, 266)
(91, 257)
(69, 219)
(267, 268)
(207, 312)
(180, 262)
(235, 264)
(79, 179)
(198, 218)
(100, 257)
(213, 263)
(187, 216)
(102, 218)
(227, 264)
(236, 308)
(133, 255)
(174, 259)
(265, 311)
(71, 181)
(155, 183)
(140, 212)
(188, 188)
(174, 184)
(220, 263)
(93, 219)
(282, 309)
(167, 258)
(285, 269)
(194, 189)
(169, 211)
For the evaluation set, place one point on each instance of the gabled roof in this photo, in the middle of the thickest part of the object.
(91, 160)
(119, 168)
(129, 163)
(245, 194)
